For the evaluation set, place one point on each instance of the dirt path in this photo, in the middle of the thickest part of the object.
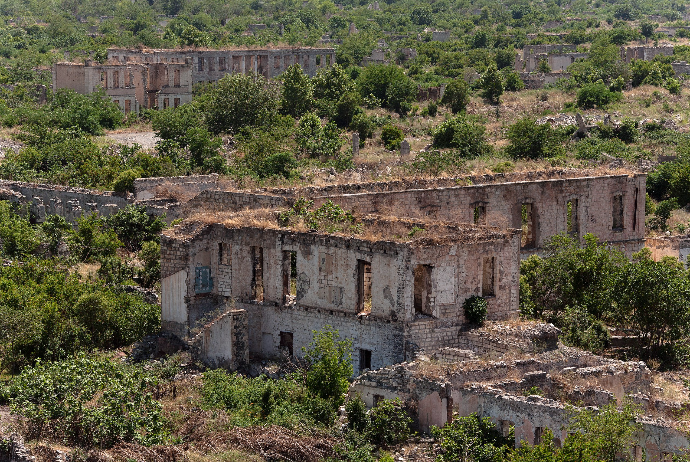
(146, 140)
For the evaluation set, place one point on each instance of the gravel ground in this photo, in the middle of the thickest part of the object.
(146, 140)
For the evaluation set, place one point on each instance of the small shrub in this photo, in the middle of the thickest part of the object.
(432, 108)
(390, 423)
(357, 418)
(529, 140)
(124, 182)
(475, 308)
(465, 134)
(392, 136)
(596, 95)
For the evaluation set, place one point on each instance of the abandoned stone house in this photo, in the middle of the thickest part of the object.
(211, 65)
(394, 297)
(392, 294)
(132, 86)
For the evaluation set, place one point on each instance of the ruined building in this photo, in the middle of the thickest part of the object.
(391, 293)
(132, 86)
(394, 293)
(158, 79)
(211, 65)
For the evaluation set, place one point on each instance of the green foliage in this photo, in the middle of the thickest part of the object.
(89, 402)
(297, 92)
(237, 101)
(347, 107)
(529, 140)
(55, 228)
(392, 136)
(19, 239)
(388, 83)
(46, 312)
(317, 141)
(93, 240)
(650, 72)
(262, 400)
(470, 438)
(87, 113)
(491, 85)
(671, 180)
(150, 256)
(662, 212)
(456, 96)
(653, 297)
(330, 365)
(389, 423)
(475, 309)
(364, 126)
(124, 182)
(465, 134)
(134, 226)
(357, 418)
(596, 95)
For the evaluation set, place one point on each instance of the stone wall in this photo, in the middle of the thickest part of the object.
(669, 246)
(149, 188)
(645, 53)
(224, 342)
(591, 202)
(43, 200)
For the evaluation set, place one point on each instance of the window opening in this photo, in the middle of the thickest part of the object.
(422, 290)
(166, 103)
(377, 399)
(203, 282)
(618, 212)
(528, 237)
(200, 66)
(634, 223)
(286, 342)
(572, 220)
(116, 79)
(128, 106)
(479, 214)
(363, 286)
(221, 63)
(364, 360)
(538, 431)
(289, 276)
(258, 274)
(318, 60)
(488, 277)
(177, 102)
(176, 78)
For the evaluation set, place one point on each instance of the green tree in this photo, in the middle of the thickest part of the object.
(465, 134)
(239, 100)
(297, 93)
(330, 365)
(134, 226)
(378, 79)
(597, 94)
(470, 439)
(491, 84)
(529, 140)
(654, 298)
(456, 95)
(389, 423)
(315, 140)
(647, 29)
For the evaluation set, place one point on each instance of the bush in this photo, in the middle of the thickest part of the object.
(596, 95)
(392, 136)
(528, 140)
(475, 308)
(432, 108)
(150, 256)
(330, 365)
(357, 418)
(363, 125)
(89, 402)
(470, 438)
(315, 140)
(390, 423)
(456, 96)
(124, 182)
(134, 226)
(464, 134)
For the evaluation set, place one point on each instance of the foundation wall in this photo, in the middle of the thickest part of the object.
(669, 246)
(224, 342)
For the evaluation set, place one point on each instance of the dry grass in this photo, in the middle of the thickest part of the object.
(664, 388)
(223, 456)
(88, 270)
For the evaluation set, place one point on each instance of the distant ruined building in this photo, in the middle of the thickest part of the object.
(158, 79)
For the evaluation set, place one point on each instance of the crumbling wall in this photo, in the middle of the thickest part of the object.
(149, 188)
(71, 203)
(669, 246)
(224, 342)
(644, 52)
(232, 201)
(590, 200)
